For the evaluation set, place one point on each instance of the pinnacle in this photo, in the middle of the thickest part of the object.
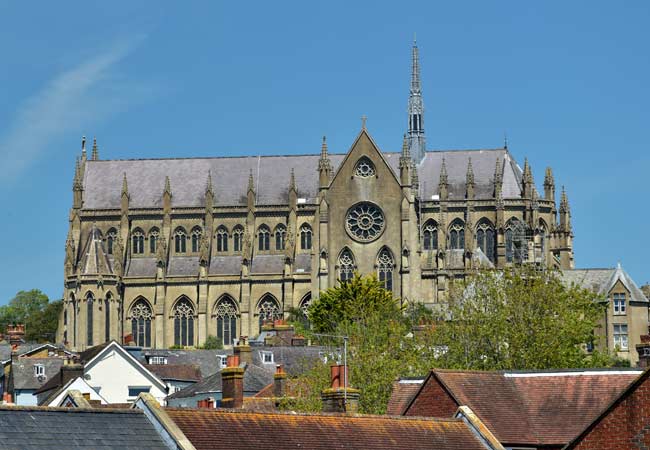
(406, 153)
(208, 184)
(125, 186)
(443, 172)
(323, 149)
(95, 153)
(251, 185)
(498, 170)
(168, 186)
(83, 146)
(548, 177)
(470, 172)
(292, 181)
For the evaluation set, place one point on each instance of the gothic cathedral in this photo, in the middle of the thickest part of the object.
(174, 250)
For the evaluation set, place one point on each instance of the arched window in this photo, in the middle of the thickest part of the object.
(196, 239)
(74, 319)
(263, 234)
(110, 240)
(222, 239)
(430, 235)
(107, 317)
(180, 240)
(305, 303)
(346, 265)
(385, 266)
(89, 319)
(542, 239)
(184, 323)
(280, 237)
(305, 237)
(153, 240)
(457, 235)
(516, 241)
(137, 242)
(268, 310)
(364, 168)
(485, 239)
(141, 317)
(226, 314)
(237, 238)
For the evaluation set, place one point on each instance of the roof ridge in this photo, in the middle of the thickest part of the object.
(68, 410)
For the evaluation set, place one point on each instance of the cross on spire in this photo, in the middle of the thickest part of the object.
(363, 122)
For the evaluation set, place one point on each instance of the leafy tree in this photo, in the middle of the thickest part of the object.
(212, 343)
(520, 318)
(33, 309)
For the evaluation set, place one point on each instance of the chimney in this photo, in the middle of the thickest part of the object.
(70, 371)
(643, 349)
(279, 382)
(243, 350)
(16, 334)
(232, 383)
(207, 403)
(340, 398)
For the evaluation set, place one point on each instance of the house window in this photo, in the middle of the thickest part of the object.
(305, 237)
(157, 360)
(619, 304)
(134, 391)
(620, 336)
(222, 239)
(237, 238)
(223, 361)
(266, 357)
(39, 370)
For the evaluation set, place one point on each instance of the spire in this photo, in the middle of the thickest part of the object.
(208, 184)
(564, 202)
(168, 186)
(443, 172)
(443, 183)
(292, 181)
(416, 138)
(95, 154)
(76, 182)
(324, 166)
(323, 149)
(125, 186)
(528, 175)
(469, 178)
(251, 182)
(549, 185)
(83, 147)
(565, 212)
(405, 158)
(527, 181)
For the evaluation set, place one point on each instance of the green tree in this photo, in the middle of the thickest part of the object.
(212, 343)
(520, 318)
(33, 309)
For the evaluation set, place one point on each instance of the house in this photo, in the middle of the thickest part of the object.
(114, 374)
(33, 427)
(176, 376)
(531, 410)
(28, 375)
(626, 316)
(402, 393)
(623, 424)
(61, 396)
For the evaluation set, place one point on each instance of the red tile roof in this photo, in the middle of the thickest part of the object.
(214, 429)
(401, 395)
(535, 408)
(184, 372)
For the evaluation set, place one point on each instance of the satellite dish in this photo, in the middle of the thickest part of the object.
(41, 378)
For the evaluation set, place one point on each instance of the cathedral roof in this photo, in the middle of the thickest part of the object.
(271, 174)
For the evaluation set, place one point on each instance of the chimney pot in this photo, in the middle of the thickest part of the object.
(232, 361)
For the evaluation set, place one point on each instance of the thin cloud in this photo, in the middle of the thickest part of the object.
(70, 101)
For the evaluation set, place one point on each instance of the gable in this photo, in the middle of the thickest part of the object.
(432, 400)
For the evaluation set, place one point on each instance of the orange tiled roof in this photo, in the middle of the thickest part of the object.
(216, 429)
(401, 395)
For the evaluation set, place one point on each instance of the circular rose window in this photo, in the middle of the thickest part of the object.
(364, 222)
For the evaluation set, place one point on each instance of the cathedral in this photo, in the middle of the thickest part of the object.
(174, 250)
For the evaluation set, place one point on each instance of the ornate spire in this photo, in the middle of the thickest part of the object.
(168, 186)
(469, 177)
(528, 174)
(323, 149)
(83, 147)
(95, 154)
(324, 166)
(443, 172)
(564, 202)
(208, 184)
(76, 182)
(292, 181)
(416, 138)
(405, 158)
(549, 185)
(251, 182)
(125, 186)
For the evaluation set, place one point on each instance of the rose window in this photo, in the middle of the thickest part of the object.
(365, 222)
(364, 168)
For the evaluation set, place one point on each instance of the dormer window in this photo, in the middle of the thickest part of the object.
(39, 370)
(365, 168)
(222, 360)
(266, 357)
(157, 360)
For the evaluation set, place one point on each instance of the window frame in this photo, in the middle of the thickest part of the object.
(621, 337)
(619, 303)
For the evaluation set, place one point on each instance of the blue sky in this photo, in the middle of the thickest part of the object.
(567, 81)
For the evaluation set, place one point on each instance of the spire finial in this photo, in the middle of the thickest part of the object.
(95, 154)
(251, 184)
(416, 138)
(125, 186)
(505, 140)
(443, 172)
(364, 118)
(470, 172)
(208, 183)
(83, 146)
(564, 201)
(406, 152)
(323, 148)
(292, 181)
(168, 186)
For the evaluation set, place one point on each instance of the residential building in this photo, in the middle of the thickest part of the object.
(173, 250)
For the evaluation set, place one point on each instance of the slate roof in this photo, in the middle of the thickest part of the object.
(602, 280)
(255, 379)
(206, 360)
(94, 258)
(188, 176)
(141, 267)
(29, 428)
(401, 395)
(178, 372)
(531, 408)
(225, 265)
(22, 371)
(5, 349)
(319, 431)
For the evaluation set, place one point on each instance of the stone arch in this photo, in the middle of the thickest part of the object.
(486, 238)
(226, 314)
(345, 264)
(385, 265)
(457, 234)
(141, 316)
(183, 313)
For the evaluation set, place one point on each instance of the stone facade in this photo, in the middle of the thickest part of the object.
(174, 250)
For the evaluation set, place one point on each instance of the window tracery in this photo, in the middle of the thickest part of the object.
(346, 265)
(226, 314)
(385, 266)
(110, 240)
(364, 168)
(237, 238)
(365, 222)
(305, 237)
(180, 240)
(268, 310)
(137, 242)
(89, 319)
(280, 237)
(264, 237)
(184, 323)
(222, 239)
(141, 316)
(516, 241)
(196, 239)
(153, 240)
(430, 236)
(485, 240)
(457, 235)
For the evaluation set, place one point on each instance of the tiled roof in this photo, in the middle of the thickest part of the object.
(206, 359)
(535, 408)
(602, 281)
(180, 372)
(401, 395)
(234, 430)
(22, 371)
(29, 428)
(188, 176)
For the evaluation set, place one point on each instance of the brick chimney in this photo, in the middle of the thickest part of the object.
(16, 334)
(70, 371)
(643, 349)
(279, 382)
(243, 350)
(206, 403)
(340, 398)
(232, 383)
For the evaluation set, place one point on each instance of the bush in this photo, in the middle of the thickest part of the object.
(212, 343)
